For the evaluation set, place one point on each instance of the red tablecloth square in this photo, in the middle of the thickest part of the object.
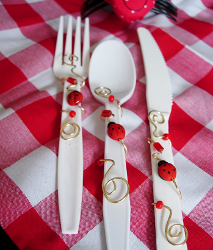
(206, 82)
(181, 133)
(23, 14)
(164, 40)
(198, 28)
(34, 231)
(42, 118)
(11, 75)
(198, 238)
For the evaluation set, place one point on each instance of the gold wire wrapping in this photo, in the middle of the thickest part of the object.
(112, 115)
(125, 147)
(154, 122)
(104, 186)
(175, 183)
(69, 135)
(72, 58)
(82, 110)
(168, 230)
(75, 127)
(155, 154)
(105, 92)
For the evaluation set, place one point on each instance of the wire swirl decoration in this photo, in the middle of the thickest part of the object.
(69, 130)
(72, 58)
(154, 122)
(169, 229)
(105, 185)
(106, 92)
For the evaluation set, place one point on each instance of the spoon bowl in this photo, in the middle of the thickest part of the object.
(112, 69)
(112, 66)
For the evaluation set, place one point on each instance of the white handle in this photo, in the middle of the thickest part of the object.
(116, 215)
(70, 171)
(166, 192)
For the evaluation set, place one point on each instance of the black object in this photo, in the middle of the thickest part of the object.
(6, 242)
(165, 7)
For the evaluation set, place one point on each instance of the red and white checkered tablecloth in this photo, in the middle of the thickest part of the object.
(30, 105)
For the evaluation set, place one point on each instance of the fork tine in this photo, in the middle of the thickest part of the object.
(77, 44)
(59, 45)
(68, 45)
(86, 47)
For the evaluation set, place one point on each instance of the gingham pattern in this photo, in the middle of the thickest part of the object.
(30, 104)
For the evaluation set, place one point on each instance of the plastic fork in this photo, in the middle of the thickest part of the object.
(62, 70)
(70, 155)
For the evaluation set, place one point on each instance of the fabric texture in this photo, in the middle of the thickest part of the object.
(30, 105)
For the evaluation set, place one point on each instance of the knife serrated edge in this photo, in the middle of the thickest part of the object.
(155, 79)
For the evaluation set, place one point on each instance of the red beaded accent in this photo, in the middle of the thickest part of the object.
(166, 137)
(159, 205)
(158, 146)
(71, 80)
(72, 113)
(100, 162)
(106, 113)
(111, 98)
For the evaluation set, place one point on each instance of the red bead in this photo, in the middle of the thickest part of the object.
(159, 205)
(72, 113)
(71, 80)
(116, 131)
(111, 98)
(166, 137)
(166, 171)
(100, 162)
(74, 98)
(158, 146)
(106, 113)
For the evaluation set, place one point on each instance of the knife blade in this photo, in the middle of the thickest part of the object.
(159, 98)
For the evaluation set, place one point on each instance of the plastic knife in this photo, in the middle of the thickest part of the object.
(159, 98)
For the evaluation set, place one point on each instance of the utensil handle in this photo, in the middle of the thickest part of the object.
(116, 215)
(165, 191)
(70, 171)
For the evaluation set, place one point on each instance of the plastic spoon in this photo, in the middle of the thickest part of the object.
(112, 66)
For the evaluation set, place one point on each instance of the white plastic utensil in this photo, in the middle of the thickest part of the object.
(159, 98)
(112, 66)
(70, 155)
